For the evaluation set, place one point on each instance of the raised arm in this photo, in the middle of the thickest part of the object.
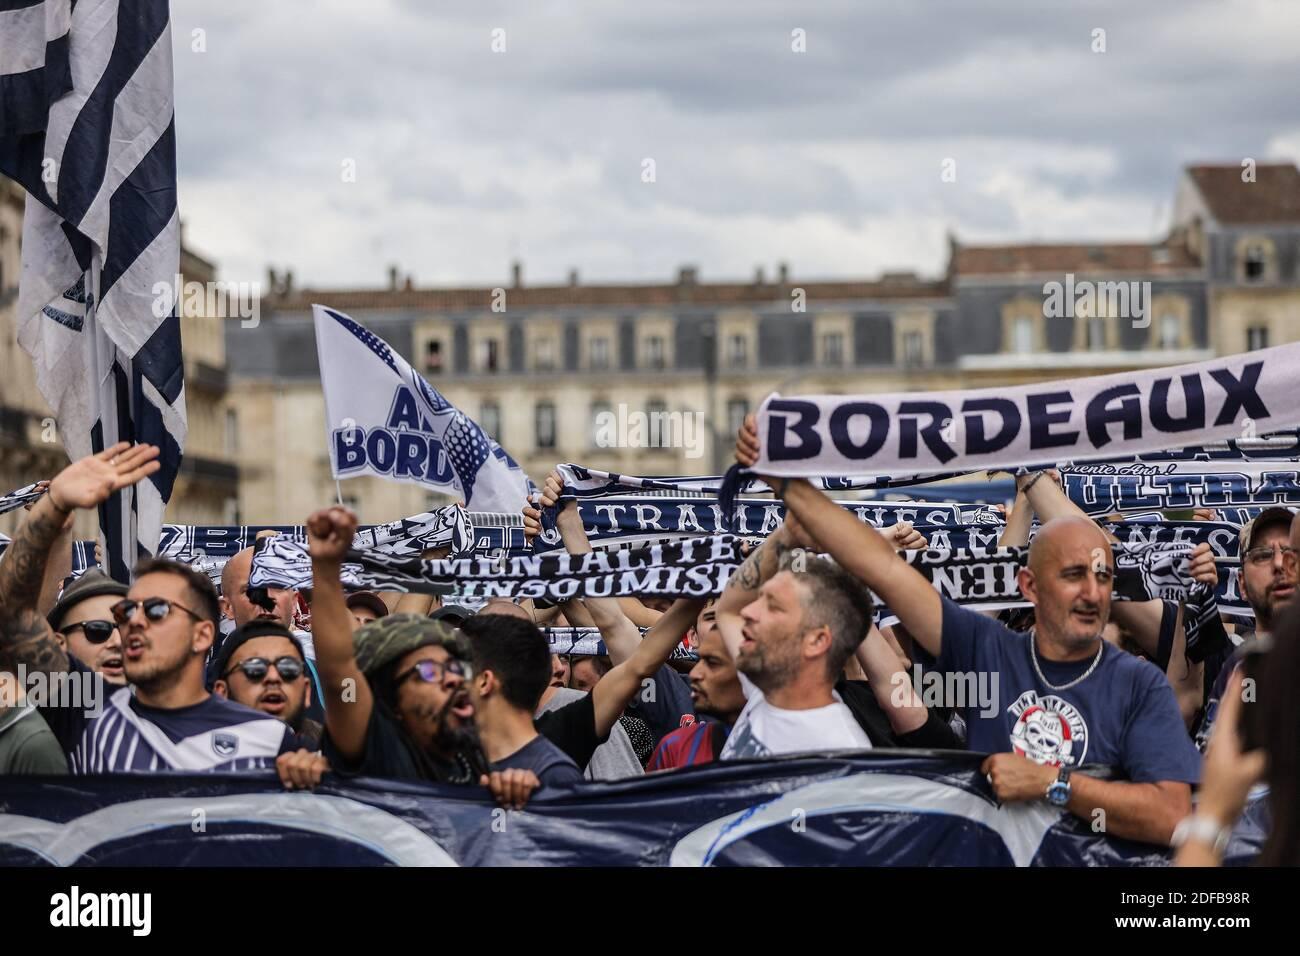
(742, 587)
(1016, 532)
(25, 635)
(857, 547)
(348, 700)
(616, 689)
(890, 683)
(622, 637)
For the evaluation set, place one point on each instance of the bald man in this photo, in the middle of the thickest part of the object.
(235, 603)
(1062, 698)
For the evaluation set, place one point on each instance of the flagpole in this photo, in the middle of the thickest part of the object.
(338, 490)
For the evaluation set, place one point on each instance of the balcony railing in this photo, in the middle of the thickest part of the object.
(208, 469)
(209, 377)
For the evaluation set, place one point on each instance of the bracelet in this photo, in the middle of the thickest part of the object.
(1032, 481)
(1201, 829)
(49, 494)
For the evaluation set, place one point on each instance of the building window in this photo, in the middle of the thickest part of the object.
(1257, 337)
(659, 432)
(489, 355)
(1254, 264)
(1023, 335)
(600, 437)
(598, 356)
(433, 357)
(654, 351)
(544, 354)
(737, 409)
(544, 422)
(737, 350)
(489, 419)
(1095, 330)
(913, 349)
(833, 348)
(1171, 331)
(232, 431)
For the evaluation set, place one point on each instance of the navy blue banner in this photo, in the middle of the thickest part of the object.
(901, 808)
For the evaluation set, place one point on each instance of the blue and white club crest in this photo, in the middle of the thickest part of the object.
(225, 744)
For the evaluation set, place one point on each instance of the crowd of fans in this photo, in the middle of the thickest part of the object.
(790, 659)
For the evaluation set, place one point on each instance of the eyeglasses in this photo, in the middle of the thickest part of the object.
(97, 632)
(155, 609)
(431, 672)
(256, 668)
(1262, 556)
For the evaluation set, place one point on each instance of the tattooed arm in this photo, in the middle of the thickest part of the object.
(742, 587)
(25, 635)
(858, 548)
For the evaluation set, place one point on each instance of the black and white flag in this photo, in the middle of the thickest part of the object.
(87, 128)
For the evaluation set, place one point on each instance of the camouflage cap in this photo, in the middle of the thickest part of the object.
(378, 643)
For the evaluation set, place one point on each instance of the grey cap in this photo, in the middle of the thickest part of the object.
(93, 583)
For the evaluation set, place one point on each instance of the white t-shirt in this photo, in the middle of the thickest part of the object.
(763, 730)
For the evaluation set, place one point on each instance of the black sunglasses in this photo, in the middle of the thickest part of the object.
(431, 672)
(97, 632)
(155, 609)
(256, 668)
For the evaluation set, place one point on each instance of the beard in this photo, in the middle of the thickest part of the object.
(155, 674)
(769, 671)
(453, 734)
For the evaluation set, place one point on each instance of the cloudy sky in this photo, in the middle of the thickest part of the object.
(830, 159)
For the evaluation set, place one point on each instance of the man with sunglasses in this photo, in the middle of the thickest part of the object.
(1268, 580)
(261, 665)
(82, 620)
(165, 719)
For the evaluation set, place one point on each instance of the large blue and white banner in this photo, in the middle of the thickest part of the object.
(883, 809)
(1102, 417)
(384, 419)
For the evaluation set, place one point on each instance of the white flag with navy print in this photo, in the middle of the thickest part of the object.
(383, 418)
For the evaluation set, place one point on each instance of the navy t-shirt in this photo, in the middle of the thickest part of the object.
(1123, 715)
(665, 704)
(552, 766)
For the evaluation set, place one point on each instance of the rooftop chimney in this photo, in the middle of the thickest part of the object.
(409, 284)
(688, 275)
(782, 273)
(517, 274)
(392, 278)
(573, 279)
(759, 277)
(272, 281)
(288, 281)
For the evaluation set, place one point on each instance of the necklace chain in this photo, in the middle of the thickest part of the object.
(1033, 656)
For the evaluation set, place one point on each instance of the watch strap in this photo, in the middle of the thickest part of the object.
(1200, 828)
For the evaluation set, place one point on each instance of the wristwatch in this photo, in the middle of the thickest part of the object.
(1058, 792)
(1201, 829)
